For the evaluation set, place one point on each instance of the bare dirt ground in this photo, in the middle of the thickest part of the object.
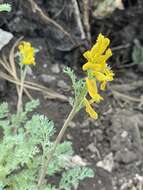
(112, 145)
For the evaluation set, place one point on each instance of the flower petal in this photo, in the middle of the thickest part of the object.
(27, 53)
(103, 85)
(92, 90)
(89, 109)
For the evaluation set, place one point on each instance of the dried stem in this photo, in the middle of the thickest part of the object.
(47, 19)
(86, 4)
(78, 19)
(34, 86)
(10, 74)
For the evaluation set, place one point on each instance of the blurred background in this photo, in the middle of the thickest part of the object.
(61, 30)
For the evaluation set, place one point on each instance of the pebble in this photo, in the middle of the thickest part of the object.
(124, 134)
(125, 156)
(92, 147)
(85, 123)
(72, 124)
(78, 161)
(107, 163)
(45, 65)
(3, 87)
(5, 38)
(98, 135)
(62, 84)
(55, 68)
(47, 78)
(69, 137)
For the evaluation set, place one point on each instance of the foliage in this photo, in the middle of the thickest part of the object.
(5, 7)
(137, 54)
(22, 151)
(78, 86)
(73, 176)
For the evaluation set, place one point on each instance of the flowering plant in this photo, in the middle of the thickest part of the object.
(28, 152)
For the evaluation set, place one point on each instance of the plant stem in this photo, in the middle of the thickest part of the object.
(57, 141)
(20, 94)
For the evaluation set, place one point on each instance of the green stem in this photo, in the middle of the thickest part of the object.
(57, 141)
(20, 95)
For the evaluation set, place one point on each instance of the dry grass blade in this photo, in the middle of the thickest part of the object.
(9, 73)
(47, 19)
(126, 97)
(86, 5)
(78, 18)
(50, 94)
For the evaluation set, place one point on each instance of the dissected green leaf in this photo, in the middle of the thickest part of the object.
(72, 177)
(137, 54)
(5, 7)
(30, 106)
(3, 110)
(22, 152)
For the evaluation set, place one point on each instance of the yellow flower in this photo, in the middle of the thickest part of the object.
(97, 71)
(92, 90)
(104, 77)
(89, 109)
(27, 53)
(99, 52)
(97, 57)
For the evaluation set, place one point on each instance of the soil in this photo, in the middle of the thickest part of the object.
(113, 144)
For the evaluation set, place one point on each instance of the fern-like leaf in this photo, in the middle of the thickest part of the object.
(3, 110)
(5, 7)
(72, 177)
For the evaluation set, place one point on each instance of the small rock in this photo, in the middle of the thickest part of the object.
(62, 84)
(47, 78)
(45, 65)
(98, 135)
(69, 137)
(140, 67)
(92, 148)
(3, 87)
(125, 156)
(85, 123)
(55, 68)
(124, 134)
(72, 124)
(78, 161)
(5, 38)
(107, 163)
(85, 130)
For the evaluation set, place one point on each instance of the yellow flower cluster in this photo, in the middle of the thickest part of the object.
(27, 53)
(97, 70)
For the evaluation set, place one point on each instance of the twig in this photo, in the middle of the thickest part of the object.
(11, 56)
(126, 65)
(128, 87)
(34, 86)
(86, 19)
(10, 68)
(126, 97)
(78, 19)
(47, 19)
(124, 46)
(60, 11)
(12, 61)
